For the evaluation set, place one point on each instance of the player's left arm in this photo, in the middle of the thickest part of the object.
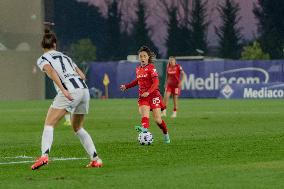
(81, 74)
(78, 70)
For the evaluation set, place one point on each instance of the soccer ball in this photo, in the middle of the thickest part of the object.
(145, 138)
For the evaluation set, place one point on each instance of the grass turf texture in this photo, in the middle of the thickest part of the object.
(215, 144)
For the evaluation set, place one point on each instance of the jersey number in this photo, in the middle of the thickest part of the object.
(156, 100)
(62, 63)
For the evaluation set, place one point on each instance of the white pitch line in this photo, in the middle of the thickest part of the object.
(52, 159)
(17, 157)
(15, 162)
(66, 159)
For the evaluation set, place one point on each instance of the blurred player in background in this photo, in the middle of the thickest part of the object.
(72, 96)
(150, 98)
(173, 84)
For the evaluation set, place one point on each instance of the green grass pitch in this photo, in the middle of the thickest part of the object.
(214, 144)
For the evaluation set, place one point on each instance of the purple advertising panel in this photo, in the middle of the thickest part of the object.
(204, 79)
(252, 91)
(118, 73)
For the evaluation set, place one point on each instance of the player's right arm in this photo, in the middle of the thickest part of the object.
(129, 85)
(52, 74)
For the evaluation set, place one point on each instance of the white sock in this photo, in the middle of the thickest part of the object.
(88, 143)
(67, 117)
(47, 139)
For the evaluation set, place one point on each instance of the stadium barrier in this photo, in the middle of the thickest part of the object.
(118, 73)
(204, 79)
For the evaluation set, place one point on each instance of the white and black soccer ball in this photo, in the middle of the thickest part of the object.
(145, 138)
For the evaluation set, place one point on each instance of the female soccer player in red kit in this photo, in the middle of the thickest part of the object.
(150, 98)
(173, 84)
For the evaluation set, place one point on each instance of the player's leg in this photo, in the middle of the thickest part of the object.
(166, 100)
(86, 140)
(144, 111)
(175, 99)
(161, 123)
(52, 117)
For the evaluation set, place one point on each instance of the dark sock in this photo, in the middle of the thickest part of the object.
(163, 127)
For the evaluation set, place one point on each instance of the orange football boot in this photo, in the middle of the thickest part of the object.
(95, 163)
(43, 160)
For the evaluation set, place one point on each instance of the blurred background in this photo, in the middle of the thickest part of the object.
(228, 48)
(20, 33)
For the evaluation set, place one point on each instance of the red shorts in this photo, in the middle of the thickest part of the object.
(173, 90)
(153, 101)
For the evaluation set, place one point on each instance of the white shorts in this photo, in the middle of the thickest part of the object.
(79, 104)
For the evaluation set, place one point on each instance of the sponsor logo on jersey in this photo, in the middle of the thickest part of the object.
(141, 75)
(70, 75)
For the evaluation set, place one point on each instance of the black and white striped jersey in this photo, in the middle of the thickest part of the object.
(65, 68)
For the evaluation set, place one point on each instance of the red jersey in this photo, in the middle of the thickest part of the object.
(148, 81)
(173, 75)
(144, 76)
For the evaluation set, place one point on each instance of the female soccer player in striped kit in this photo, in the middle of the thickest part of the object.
(72, 96)
(150, 98)
(173, 84)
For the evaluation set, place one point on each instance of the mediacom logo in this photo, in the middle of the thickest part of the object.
(264, 92)
(215, 80)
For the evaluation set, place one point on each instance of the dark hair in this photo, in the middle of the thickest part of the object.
(151, 54)
(48, 39)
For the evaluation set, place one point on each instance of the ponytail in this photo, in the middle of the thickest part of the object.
(48, 40)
